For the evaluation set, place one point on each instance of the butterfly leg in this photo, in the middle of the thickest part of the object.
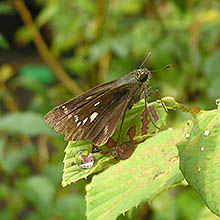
(146, 104)
(120, 129)
(156, 91)
(159, 97)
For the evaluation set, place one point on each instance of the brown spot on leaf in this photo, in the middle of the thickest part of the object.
(131, 132)
(174, 159)
(154, 113)
(157, 175)
(110, 143)
(145, 122)
(196, 109)
(126, 149)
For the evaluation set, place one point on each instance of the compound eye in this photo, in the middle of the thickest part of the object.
(142, 75)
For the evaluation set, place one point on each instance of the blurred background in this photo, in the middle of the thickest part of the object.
(51, 51)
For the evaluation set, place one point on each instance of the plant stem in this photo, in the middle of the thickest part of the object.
(43, 49)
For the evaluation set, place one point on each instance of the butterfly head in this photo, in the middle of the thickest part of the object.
(143, 75)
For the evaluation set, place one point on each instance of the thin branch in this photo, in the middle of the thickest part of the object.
(44, 50)
(8, 100)
(104, 67)
(43, 153)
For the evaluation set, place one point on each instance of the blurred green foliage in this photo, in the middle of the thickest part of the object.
(97, 41)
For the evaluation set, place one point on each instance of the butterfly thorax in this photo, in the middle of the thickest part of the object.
(138, 79)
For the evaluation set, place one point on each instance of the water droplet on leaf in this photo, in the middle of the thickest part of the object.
(189, 122)
(206, 133)
(88, 188)
(68, 151)
(188, 135)
(87, 159)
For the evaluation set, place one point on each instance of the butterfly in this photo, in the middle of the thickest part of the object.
(94, 115)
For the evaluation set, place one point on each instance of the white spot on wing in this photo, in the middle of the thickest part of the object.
(65, 110)
(105, 129)
(93, 116)
(79, 123)
(85, 120)
(76, 118)
(97, 103)
(89, 97)
(63, 106)
(69, 116)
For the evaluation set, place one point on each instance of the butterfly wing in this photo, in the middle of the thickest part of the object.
(61, 112)
(93, 115)
(98, 124)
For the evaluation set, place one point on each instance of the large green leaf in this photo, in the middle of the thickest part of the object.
(199, 157)
(136, 118)
(152, 168)
(207, 215)
(27, 123)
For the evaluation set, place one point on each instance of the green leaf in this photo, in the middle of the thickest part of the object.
(24, 35)
(2, 145)
(40, 192)
(207, 215)
(37, 72)
(178, 203)
(27, 123)
(151, 169)
(6, 8)
(54, 172)
(212, 66)
(3, 42)
(15, 158)
(199, 157)
(70, 207)
(72, 171)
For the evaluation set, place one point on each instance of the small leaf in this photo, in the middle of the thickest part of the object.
(23, 35)
(6, 8)
(199, 157)
(151, 169)
(39, 191)
(212, 66)
(2, 145)
(3, 42)
(14, 158)
(37, 72)
(6, 72)
(28, 123)
(72, 171)
(70, 207)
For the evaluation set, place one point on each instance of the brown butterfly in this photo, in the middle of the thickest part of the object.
(94, 115)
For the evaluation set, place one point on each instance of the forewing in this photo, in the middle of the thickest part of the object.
(61, 112)
(102, 135)
(97, 120)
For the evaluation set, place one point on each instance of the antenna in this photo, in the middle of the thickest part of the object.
(145, 60)
(165, 67)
